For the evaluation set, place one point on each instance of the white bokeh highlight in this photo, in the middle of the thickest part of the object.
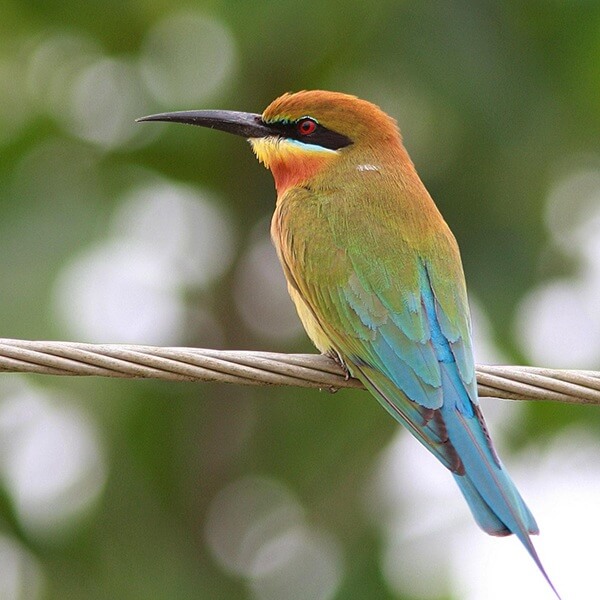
(246, 514)
(52, 461)
(186, 58)
(119, 291)
(573, 207)
(261, 295)
(22, 577)
(418, 508)
(56, 61)
(301, 563)
(165, 239)
(93, 96)
(558, 323)
(187, 224)
(106, 97)
(256, 529)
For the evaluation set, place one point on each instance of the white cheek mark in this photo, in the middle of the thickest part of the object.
(367, 167)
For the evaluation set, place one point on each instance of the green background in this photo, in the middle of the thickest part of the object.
(119, 489)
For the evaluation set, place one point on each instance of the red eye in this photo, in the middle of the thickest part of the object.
(306, 126)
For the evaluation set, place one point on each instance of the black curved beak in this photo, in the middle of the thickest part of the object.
(248, 125)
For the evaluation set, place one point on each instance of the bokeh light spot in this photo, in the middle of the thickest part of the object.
(21, 577)
(193, 234)
(106, 98)
(186, 58)
(301, 563)
(261, 293)
(571, 203)
(55, 62)
(51, 462)
(166, 239)
(119, 291)
(246, 515)
(256, 528)
(558, 325)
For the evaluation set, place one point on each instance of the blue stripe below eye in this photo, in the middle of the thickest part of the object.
(309, 147)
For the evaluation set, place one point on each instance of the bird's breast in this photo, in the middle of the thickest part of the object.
(296, 249)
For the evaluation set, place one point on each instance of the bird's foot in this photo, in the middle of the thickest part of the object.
(340, 362)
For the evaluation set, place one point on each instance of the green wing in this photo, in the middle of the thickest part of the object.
(368, 285)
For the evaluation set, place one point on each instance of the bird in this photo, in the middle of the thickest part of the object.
(377, 279)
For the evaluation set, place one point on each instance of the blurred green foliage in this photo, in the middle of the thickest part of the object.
(495, 101)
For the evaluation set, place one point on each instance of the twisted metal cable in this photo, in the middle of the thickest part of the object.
(268, 368)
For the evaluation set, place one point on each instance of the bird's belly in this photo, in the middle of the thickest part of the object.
(311, 325)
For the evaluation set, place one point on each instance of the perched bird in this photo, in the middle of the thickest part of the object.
(376, 277)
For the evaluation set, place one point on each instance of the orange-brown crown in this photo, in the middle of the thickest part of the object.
(357, 119)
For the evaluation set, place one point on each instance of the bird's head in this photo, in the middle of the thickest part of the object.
(299, 135)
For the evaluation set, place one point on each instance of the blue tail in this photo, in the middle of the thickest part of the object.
(443, 414)
(493, 498)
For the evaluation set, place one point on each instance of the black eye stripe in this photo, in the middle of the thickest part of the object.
(320, 136)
